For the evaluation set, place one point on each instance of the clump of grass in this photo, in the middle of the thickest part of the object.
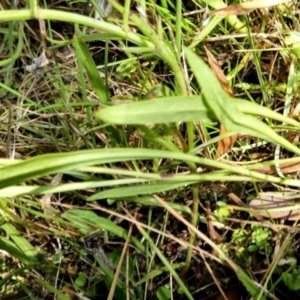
(111, 184)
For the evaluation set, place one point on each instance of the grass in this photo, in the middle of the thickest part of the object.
(111, 177)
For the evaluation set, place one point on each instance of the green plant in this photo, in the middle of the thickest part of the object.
(135, 145)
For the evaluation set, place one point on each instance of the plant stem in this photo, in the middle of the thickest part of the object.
(163, 51)
(195, 189)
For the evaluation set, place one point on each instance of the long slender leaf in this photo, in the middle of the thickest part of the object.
(14, 191)
(21, 242)
(141, 189)
(176, 109)
(88, 217)
(166, 263)
(225, 110)
(84, 55)
(248, 283)
(51, 288)
(13, 250)
(60, 162)
(161, 110)
(157, 272)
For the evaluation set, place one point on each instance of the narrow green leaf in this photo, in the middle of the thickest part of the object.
(108, 280)
(21, 242)
(58, 162)
(248, 283)
(167, 264)
(141, 189)
(61, 162)
(52, 289)
(14, 191)
(176, 109)
(255, 109)
(90, 218)
(14, 251)
(158, 271)
(150, 201)
(157, 111)
(225, 109)
(84, 55)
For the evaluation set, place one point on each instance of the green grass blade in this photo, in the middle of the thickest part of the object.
(84, 55)
(136, 190)
(14, 251)
(61, 162)
(167, 264)
(14, 191)
(225, 109)
(21, 242)
(157, 272)
(52, 289)
(88, 217)
(248, 283)
(251, 108)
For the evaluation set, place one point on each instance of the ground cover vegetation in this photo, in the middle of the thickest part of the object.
(149, 149)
